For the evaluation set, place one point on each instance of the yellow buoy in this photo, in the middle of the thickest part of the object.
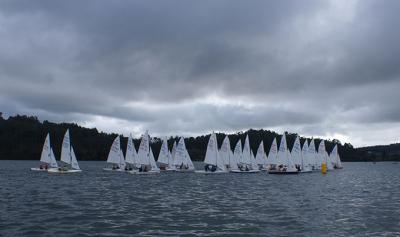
(323, 168)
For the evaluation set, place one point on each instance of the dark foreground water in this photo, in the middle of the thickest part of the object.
(361, 200)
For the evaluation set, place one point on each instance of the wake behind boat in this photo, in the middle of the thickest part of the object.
(67, 157)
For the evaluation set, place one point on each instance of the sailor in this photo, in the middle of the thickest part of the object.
(213, 168)
(206, 168)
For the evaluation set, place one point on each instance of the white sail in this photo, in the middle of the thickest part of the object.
(164, 155)
(170, 161)
(323, 155)
(261, 158)
(66, 149)
(296, 152)
(45, 157)
(179, 152)
(246, 156)
(253, 161)
(282, 152)
(335, 157)
(153, 161)
(53, 162)
(227, 155)
(238, 152)
(284, 155)
(74, 162)
(143, 153)
(182, 158)
(313, 155)
(173, 152)
(131, 155)
(188, 161)
(306, 158)
(212, 151)
(273, 154)
(114, 156)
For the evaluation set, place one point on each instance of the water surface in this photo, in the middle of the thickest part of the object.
(361, 200)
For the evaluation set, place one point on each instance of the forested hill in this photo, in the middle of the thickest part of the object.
(22, 137)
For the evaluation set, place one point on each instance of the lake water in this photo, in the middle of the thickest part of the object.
(363, 199)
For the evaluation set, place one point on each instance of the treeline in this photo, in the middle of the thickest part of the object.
(22, 137)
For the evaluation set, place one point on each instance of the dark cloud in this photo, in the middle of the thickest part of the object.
(316, 67)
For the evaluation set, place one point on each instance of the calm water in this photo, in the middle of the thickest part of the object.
(361, 200)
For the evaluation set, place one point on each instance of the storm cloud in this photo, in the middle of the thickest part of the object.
(319, 68)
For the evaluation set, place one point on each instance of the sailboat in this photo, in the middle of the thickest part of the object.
(272, 160)
(146, 159)
(297, 155)
(115, 156)
(165, 157)
(246, 164)
(47, 158)
(285, 163)
(214, 163)
(261, 157)
(67, 157)
(336, 158)
(227, 156)
(182, 161)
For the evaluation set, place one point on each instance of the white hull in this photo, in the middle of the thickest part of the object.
(210, 172)
(151, 172)
(245, 172)
(168, 170)
(38, 169)
(58, 171)
(115, 170)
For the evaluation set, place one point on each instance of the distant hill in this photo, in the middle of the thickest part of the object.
(22, 137)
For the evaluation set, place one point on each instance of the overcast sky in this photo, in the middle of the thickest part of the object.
(318, 68)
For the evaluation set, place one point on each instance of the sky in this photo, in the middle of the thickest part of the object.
(328, 69)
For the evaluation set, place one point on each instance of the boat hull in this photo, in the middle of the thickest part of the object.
(115, 170)
(38, 169)
(282, 172)
(151, 172)
(57, 171)
(210, 172)
(245, 172)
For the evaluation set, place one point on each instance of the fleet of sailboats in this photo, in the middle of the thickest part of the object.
(280, 160)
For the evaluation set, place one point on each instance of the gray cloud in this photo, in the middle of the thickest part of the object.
(321, 68)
